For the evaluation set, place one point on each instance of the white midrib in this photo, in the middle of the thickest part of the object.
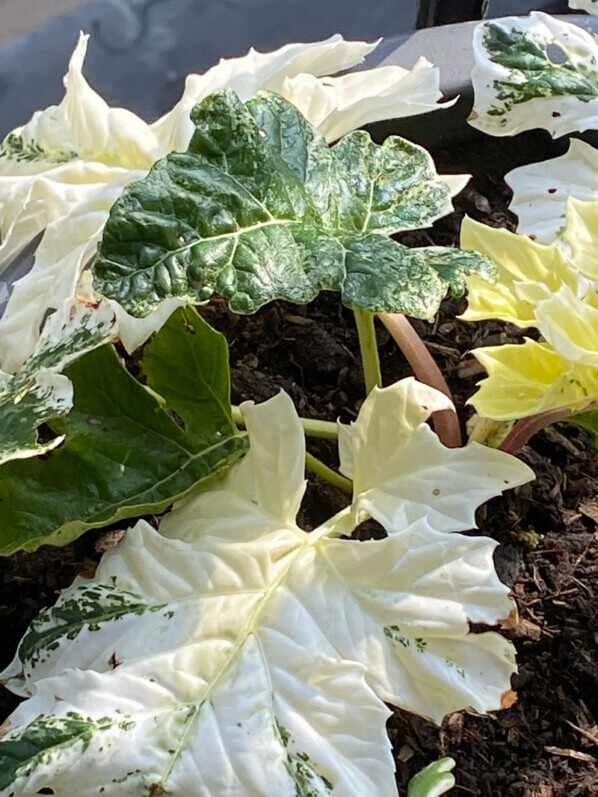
(307, 541)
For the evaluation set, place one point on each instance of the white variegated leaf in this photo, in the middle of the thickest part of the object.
(38, 392)
(240, 655)
(541, 190)
(409, 477)
(337, 105)
(61, 172)
(534, 71)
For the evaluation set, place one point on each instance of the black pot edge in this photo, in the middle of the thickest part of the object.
(449, 47)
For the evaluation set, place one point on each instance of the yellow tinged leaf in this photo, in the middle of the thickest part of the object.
(581, 233)
(522, 265)
(531, 378)
(570, 324)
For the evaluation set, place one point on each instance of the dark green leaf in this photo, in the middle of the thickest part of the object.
(261, 208)
(125, 454)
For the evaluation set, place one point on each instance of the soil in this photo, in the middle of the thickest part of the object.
(547, 743)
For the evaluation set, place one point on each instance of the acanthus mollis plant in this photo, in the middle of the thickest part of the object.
(541, 72)
(61, 172)
(231, 652)
(260, 207)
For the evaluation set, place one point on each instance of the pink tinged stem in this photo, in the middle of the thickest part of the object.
(446, 422)
(527, 428)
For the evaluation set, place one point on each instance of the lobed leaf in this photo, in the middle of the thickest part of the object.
(123, 453)
(61, 172)
(538, 286)
(260, 208)
(541, 191)
(234, 653)
(535, 71)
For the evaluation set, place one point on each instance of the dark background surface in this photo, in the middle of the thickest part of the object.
(141, 50)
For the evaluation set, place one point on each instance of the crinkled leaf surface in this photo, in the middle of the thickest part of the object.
(38, 392)
(534, 71)
(261, 208)
(233, 653)
(434, 780)
(61, 172)
(124, 454)
(538, 286)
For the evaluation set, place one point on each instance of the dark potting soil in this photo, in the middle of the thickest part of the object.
(547, 742)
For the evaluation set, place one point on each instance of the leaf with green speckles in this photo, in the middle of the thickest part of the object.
(433, 780)
(535, 71)
(36, 744)
(78, 612)
(124, 452)
(16, 148)
(227, 647)
(38, 392)
(261, 208)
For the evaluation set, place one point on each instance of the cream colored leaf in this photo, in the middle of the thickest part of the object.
(408, 477)
(241, 655)
(337, 105)
(254, 71)
(581, 234)
(531, 378)
(541, 190)
(527, 272)
(591, 6)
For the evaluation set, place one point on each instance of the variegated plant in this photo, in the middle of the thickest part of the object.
(63, 170)
(539, 286)
(38, 391)
(125, 449)
(233, 653)
(518, 87)
(260, 208)
(534, 71)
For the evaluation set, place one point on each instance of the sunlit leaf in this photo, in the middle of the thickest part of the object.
(261, 208)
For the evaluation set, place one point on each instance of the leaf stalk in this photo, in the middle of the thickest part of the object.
(320, 469)
(369, 348)
(446, 422)
(325, 430)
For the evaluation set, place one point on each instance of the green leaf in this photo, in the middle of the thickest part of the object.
(124, 453)
(433, 780)
(38, 391)
(589, 421)
(533, 72)
(261, 208)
